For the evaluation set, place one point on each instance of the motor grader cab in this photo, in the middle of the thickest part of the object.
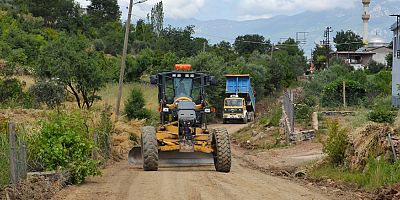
(182, 137)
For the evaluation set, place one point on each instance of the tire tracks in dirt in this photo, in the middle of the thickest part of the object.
(121, 181)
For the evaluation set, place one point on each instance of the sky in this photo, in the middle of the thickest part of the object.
(233, 9)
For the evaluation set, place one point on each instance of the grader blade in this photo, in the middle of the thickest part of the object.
(172, 158)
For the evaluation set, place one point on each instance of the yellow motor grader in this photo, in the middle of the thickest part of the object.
(182, 137)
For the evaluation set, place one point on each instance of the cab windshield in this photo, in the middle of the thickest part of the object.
(183, 87)
(233, 102)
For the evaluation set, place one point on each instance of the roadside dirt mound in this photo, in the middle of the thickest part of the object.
(126, 135)
(389, 193)
(371, 141)
(38, 188)
(258, 137)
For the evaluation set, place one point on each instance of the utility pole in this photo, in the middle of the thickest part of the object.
(327, 43)
(344, 95)
(124, 53)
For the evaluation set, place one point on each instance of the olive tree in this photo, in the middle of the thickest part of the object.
(72, 62)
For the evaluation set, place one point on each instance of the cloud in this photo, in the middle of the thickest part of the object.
(172, 8)
(262, 8)
(183, 8)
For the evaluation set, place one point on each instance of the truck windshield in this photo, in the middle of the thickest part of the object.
(183, 87)
(233, 102)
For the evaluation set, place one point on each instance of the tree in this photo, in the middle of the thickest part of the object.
(5, 4)
(225, 50)
(320, 54)
(60, 14)
(179, 41)
(134, 106)
(347, 41)
(72, 62)
(103, 11)
(247, 44)
(157, 18)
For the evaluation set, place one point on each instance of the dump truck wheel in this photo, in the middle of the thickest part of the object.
(149, 149)
(222, 150)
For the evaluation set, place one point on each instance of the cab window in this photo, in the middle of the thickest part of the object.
(233, 102)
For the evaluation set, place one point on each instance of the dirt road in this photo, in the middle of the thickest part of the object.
(122, 181)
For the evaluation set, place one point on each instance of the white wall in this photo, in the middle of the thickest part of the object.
(381, 54)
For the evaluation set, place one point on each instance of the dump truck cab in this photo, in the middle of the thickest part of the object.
(182, 136)
(239, 104)
(235, 108)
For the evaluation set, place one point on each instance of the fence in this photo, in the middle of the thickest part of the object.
(288, 116)
(13, 156)
(103, 143)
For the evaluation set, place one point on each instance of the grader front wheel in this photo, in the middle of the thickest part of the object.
(149, 149)
(222, 150)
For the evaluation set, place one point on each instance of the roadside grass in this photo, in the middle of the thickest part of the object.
(273, 116)
(350, 123)
(353, 122)
(377, 173)
(110, 91)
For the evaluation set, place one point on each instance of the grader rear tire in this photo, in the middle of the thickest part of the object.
(149, 149)
(222, 150)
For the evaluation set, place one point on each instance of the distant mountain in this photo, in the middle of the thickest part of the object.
(314, 23)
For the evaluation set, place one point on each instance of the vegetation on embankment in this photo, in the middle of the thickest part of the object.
(82, 56)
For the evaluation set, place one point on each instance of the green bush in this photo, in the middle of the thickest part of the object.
(332, 95)
(10, 89)
(134, 107)
(383, 114)
(304, 109)
(375, 67)
(303, 112)
(336, 144)
(64, 143)
(273, 116)
(48, 92)
(382, 82)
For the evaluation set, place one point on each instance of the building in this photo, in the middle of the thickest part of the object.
(357, 59)
(375, 48)
(396, 65)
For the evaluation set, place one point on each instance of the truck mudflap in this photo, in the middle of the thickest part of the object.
(172, 158)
